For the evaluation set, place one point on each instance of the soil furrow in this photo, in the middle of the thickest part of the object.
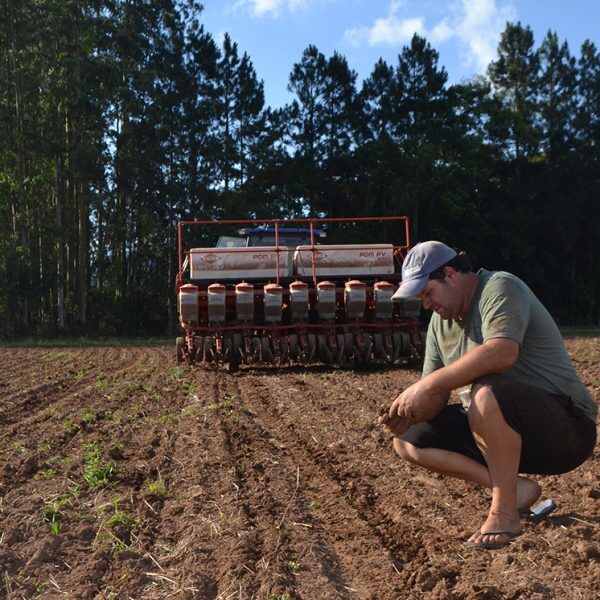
(338, 504)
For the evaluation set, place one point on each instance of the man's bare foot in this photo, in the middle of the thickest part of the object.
(497, 531)
(528, 492)
(492, 540)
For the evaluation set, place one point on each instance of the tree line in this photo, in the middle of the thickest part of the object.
(119, 118)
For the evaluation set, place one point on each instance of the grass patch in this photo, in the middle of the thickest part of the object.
(157, 488)
(225, 404)
(69, 426)
(97, 474)
(88, 417)
(52, 511)
(294, 566)
(115, 531)
(177, 373)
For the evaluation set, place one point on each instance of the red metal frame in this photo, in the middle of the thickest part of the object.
(398, 250)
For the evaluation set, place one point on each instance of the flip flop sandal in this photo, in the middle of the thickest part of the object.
(539, 511)
(510, 535)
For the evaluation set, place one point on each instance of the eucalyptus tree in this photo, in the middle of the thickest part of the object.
(249, 116)
(54, 121)
(149, 161)
(340, 107)
(199, 119)
(421, 106)
(228, 68)
(17, 95)
(587, 118)
(307, 82)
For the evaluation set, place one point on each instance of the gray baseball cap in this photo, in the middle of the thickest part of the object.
(422, 260)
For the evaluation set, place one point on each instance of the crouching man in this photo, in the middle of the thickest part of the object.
(524, 409)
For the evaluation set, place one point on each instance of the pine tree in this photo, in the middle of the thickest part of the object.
(378, 103)
(421, 115)
(557, 96)
(514, 77)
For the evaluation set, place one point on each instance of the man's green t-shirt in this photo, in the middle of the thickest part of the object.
(504, 307)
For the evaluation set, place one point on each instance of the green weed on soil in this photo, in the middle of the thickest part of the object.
(96, 474)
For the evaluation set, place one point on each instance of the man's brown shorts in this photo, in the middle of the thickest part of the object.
(556, 435)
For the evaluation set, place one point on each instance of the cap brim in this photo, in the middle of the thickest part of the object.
(410, 289)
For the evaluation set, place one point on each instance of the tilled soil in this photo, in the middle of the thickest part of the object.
(124, 475)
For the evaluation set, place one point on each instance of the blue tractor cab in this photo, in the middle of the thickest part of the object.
(265, 236)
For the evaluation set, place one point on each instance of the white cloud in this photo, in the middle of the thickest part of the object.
(478, 28)
(269, 8)
(390, 30)
(394, 31)
(475, 24)
(441, 32)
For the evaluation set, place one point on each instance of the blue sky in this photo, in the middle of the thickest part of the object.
(465, 32)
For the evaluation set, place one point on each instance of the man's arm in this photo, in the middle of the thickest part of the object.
(497, 355)
(425, 399)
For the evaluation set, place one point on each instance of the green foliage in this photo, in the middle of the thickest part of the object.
(52, 511)
(115, 531)
(294, 566)
(157, 488)
(88, 417)
(177, 373)
(224, 404)
(118, 122)
(97, 474)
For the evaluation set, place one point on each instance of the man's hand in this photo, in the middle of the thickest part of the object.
(394, 423)
(415, 404)
(401, 414)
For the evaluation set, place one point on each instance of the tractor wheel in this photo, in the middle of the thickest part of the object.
(397, 344)
(283, 350)
(406, 344)
(235, 356)
(255, 345)
(349, 346)
(199, 348)
(209, 345)
(312, 346)
(227, 347)
(233, 366)
(293, 347)
(368, 349)
(378, 345)
(323, 351)
(179, 344)
(341, 349)
(266, 354)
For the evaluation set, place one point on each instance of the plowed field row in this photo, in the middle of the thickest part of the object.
(124, 475)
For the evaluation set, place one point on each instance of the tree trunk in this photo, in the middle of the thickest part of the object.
(82, 258)
(18, 202)
(60, 258)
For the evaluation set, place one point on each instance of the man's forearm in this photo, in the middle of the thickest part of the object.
(495, 356)
(430, 409)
